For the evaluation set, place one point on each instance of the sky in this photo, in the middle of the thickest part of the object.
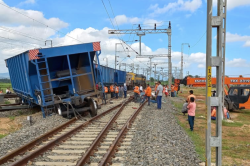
(26, 24)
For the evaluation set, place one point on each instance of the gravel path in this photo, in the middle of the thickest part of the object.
(159, 140)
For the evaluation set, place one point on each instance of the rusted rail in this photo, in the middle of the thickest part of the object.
(44, 137)
(112, 149)
(86, 157)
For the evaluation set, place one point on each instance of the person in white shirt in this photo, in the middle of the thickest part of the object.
(141, 88)
(8, 91)
(159, 95)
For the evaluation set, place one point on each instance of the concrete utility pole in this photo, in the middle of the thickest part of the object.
(150, 58)
(182, 47)
(151, 31)
(131, 67)
(219, 23)
(137, 68)
(155, 69)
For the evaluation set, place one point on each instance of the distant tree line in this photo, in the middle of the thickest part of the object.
(4, 80)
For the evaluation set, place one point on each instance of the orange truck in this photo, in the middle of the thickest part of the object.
(236, 97)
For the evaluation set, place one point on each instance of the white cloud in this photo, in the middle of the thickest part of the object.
(180, 5)
(236, 38)
(28, 2)
(237, 62)
(12, 18)
(198, 57)
(123, 19)
(17, 31)
(201, 66)
(234, 3)
(145, 22)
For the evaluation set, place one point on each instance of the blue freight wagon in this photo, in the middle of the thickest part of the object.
(58, 77)
(111, 76)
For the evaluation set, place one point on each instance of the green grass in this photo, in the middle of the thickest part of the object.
(6, 102)
(11, 117)
(2, 135)
(235, 124)
(4, 86)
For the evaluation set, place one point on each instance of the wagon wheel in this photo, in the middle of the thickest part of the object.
(93, 107)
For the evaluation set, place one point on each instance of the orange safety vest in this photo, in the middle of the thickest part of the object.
(111, 88)
(117, 90)
(156, 87)
(106, 89)
(136, 90)
(148, 92)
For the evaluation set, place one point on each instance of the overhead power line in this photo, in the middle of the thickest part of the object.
(18, 41)
(20, 33)
(111, 21)
(198, 40)
(40, 22)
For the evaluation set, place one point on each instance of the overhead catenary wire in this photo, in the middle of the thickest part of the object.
(199, 40)
(114, 28)
(20, 33)
(19, 41)
(40, 22)
(111, 22)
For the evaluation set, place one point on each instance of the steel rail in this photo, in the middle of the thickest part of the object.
(52, 143)
(86, 157)
(33, 143)
(117, 143)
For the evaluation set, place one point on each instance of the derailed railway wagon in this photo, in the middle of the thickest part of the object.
(59, 78)
(110, 76)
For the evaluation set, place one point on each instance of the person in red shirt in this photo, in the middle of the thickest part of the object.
(191, 112)
(97, 87)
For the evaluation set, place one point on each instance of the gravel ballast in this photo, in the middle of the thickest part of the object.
(159, 140)
(27, 133)
(39, 126)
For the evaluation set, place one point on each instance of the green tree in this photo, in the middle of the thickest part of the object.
(196, 76)
(152, 79)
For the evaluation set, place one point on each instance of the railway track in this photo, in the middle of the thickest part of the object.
(92, 142)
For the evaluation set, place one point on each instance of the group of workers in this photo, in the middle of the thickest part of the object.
(190, 107)
(159, 91)
(116, 91)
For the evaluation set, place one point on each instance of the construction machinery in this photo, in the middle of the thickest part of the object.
(236, 94)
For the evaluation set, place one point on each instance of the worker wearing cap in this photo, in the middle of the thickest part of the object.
(136, 93)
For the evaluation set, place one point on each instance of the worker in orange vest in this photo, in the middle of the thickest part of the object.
(156, 85)
(106, 90)
(136, 93)
(147, 94)
(116, 91)
(112, 90)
